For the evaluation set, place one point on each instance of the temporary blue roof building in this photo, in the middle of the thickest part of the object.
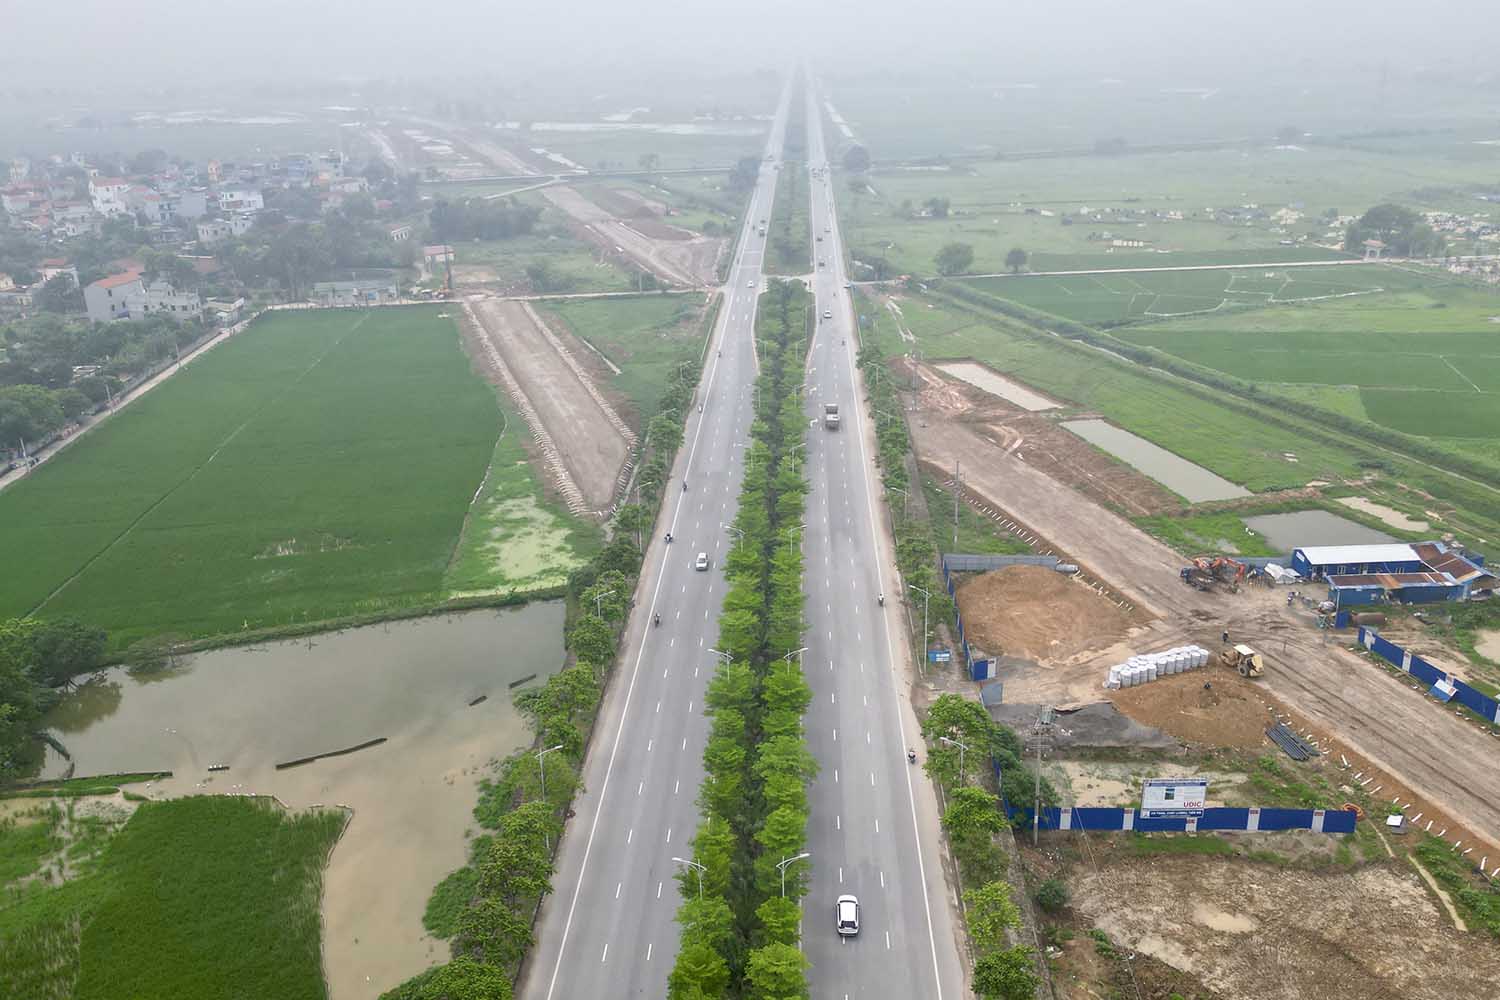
(1347, 560)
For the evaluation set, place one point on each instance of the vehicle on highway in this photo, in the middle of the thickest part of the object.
(701, 563)
(821, 262)
(846, 915)
(828, 314)
(750, 283)
(820, 237)
(831, 416)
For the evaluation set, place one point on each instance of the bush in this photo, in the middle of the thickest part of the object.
(1052, 895)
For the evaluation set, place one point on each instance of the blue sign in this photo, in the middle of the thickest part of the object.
(939, 655)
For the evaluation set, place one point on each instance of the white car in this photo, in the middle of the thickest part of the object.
(701, 563)
(750, 283)
(828, 314)
(846, 915)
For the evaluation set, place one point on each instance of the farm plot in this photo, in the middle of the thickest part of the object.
(1133, 296)
(1423, 356)
(318, 466)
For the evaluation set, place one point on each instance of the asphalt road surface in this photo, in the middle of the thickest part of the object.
(873, 827)
(608, 929)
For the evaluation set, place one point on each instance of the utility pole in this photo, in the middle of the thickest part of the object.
(1039, 741)
(599, 603)
(958, 489)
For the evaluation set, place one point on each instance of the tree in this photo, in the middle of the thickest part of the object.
(954, 258)
(972, 812)
(1403, 231)
(775, 972)
(35, 414)
(706, 920)
(1006, 975)
(1015, 260)
(779, 918)
(59, 294)
(989, 911)
(700, 971)
(937, 208)
(649, 162)
(856, 159)
(461, 979)
(745, 171)
(592, 639)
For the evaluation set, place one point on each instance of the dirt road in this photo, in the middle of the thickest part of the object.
(591, 440)
(684, 262)
(1411, 737)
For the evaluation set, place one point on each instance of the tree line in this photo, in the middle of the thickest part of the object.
(38, 659)
(487, 908)
(740, 927)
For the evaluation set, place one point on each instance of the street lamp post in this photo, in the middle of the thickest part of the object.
(599, 603)
(961, 748)
(541, 762)
(726, 657)
(739, 536)
(926, 596)
(904, 497)
(787, 659)
(699, 869)
(791, 533)
(781, 867)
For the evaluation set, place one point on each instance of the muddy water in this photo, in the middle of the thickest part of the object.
(998, 385)
(1301, 528)
(1191, 482)
(411, 797)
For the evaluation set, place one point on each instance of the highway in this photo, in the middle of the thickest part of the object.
(608, 929)
(873, 829)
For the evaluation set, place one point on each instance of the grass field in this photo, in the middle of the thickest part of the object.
(646, 337)
(1240, 449)
(1422, 356)
(205, 897)
(1115, 299)
(997, 205)
(319, 465)
(622, 149)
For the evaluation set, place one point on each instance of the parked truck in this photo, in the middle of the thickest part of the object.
(831, 416)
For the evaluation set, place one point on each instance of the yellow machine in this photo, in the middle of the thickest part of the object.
(1244, 659)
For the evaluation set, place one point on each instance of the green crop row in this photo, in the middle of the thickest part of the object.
(741, 921)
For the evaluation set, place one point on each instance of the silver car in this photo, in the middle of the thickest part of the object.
(701, 563)
(846, 915)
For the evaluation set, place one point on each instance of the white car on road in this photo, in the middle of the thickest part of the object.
(701, 563)
(846, 915)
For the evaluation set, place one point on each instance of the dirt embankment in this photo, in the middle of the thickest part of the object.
(684, 261)
(1213, 706)
(1256, 932)
(1037, 613)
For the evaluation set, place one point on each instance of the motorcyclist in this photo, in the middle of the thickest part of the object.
(656, 619)
(881, 599)
(684, 486)
(669, 538)
(911, 756)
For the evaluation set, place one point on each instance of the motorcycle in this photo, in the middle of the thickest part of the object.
(911, 756)
(656, 620)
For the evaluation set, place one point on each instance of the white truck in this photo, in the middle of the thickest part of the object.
(831, 416)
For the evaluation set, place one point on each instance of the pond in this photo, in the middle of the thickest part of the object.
(1285, 532)
(412, 796)
(1191, 482)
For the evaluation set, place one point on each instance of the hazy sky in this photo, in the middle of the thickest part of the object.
(180, 42)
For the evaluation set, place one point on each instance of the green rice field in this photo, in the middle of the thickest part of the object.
(206, 897)
(318, 466)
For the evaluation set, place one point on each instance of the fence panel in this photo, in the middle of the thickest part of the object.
(1223, 818)
(1286, 819)
(1476, 701)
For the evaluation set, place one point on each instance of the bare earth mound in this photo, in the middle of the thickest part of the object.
(1038, 613)
(1231, 713)
(1261, 933)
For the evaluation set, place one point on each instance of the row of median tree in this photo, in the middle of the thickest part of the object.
(743, 885)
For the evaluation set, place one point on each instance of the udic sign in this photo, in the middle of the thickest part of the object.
(1163, 797)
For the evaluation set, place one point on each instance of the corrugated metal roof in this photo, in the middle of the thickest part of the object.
(1390, 581)
(1345, 555)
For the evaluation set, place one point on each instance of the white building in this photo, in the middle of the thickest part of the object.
(108, 195)
(241, 199)
(127, 296)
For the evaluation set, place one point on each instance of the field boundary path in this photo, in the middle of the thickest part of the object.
(583, 376)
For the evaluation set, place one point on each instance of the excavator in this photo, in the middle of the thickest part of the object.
(1206, 571)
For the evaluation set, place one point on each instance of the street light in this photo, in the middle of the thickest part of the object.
(791, 533)
(599, 603)
(726, 657)
(904, 497)
(797, 653)
(781, 867)
(541, 762)
(961, 748)
(926, 596)
(739, 536)
(700, 869)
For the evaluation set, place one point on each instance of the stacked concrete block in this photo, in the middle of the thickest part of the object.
(1146, 667)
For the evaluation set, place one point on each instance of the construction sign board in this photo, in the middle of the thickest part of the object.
(1164, 797)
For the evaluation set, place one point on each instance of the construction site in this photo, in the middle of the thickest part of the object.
(1252, 675)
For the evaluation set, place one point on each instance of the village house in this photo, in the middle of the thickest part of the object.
(108, 195)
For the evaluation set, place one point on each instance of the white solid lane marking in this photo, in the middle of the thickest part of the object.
(669, 834)
(658, 890)
(648, 951)
(640, 788)
(630, 835)
(835, 776)
(677, 784)
(618, 887)
(649, 744)
(605, 957)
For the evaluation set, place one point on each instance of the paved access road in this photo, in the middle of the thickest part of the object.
(608, 929)
(873, 830)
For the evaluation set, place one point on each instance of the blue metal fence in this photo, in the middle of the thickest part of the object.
(1475, 701)
(1247, 820)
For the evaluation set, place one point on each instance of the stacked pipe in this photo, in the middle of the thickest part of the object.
(1147, 667)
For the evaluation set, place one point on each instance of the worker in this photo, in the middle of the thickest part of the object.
(1289, 598)
(1226, 637)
